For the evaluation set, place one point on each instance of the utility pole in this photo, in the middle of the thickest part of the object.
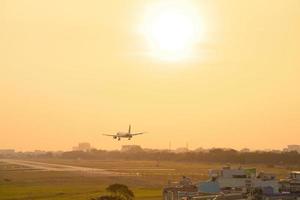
(187, 145)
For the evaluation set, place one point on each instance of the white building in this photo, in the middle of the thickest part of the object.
(227, 177)
(291, 183)
(238, 178)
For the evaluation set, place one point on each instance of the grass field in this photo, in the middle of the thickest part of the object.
(146, 178)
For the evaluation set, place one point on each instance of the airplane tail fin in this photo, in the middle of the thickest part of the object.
(129, 129)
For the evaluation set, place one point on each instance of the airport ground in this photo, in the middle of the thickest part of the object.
(62, 179)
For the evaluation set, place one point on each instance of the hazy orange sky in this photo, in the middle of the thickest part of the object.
(72, 70)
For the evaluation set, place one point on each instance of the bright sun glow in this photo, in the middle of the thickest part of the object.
(172, 30)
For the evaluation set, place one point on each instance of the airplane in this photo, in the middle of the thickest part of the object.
(128, 134)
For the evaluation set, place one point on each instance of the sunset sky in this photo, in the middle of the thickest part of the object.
(218, 73)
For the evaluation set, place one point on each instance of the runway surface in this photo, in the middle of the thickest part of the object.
(42, 166)
(59, 167)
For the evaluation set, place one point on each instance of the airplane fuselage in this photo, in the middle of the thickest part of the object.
(123, 135)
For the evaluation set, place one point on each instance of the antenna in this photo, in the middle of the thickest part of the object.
(129, 129)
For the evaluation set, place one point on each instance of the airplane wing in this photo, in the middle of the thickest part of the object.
(109, 135)
(138, 133)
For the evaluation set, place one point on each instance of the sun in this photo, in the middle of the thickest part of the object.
(172, 30)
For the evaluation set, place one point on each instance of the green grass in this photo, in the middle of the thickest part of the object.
(32, 184)
(66, 191)
(49, 191)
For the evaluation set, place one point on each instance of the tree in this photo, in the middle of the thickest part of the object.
(120, 191)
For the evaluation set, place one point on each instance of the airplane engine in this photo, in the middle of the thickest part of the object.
(115, 137)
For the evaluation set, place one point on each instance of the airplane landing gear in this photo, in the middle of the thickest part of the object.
(119, 139)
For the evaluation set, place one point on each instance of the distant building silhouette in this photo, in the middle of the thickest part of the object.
(293, 147)
(245, 150)
(200, 149)
(181, 150)
(7, 151)
(84, 146)
(131, 148)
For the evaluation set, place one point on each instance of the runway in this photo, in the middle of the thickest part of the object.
(62, 168)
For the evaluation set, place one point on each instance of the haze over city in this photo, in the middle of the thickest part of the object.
(71, 71)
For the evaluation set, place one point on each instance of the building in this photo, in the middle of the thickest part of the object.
(245, 150)
(180, 190)
(293, 147)
(291, 183)
(200, 149)
(7, 151)
(235, 184)
(241, 178)
(131, 148)
(182, 150)
(84, 146)
(230, 178)
(186, 190)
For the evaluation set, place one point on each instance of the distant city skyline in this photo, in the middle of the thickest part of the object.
(86, 146)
